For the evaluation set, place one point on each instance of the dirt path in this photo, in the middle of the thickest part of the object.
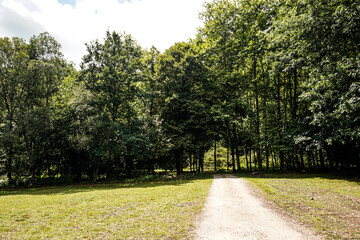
(233, 212)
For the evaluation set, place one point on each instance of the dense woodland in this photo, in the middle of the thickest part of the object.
(275, 82)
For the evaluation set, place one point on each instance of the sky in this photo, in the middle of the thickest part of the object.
(73, 23)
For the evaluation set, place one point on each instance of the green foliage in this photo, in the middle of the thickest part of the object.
(111, 71)
(184, 117)
(273, 82)
(283, 67)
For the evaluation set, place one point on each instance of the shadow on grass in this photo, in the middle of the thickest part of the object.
(72, 189)
(344, 175)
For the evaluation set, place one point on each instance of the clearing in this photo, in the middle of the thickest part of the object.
(148, 210)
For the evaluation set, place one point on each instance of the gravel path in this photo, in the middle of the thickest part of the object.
(232, 211)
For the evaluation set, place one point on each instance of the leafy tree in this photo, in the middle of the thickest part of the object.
(184, 117)
(112, 71)
(31, 74)
(14, 85)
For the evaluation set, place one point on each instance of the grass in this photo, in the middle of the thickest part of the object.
(326, 202)
(147, 210)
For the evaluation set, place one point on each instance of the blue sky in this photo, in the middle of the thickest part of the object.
(73, 2)
(70, 2)
(74, 22)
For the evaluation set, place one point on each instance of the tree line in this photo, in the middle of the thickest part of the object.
(276, 82)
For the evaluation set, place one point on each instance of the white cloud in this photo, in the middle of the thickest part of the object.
(17, 7)
(152, 22)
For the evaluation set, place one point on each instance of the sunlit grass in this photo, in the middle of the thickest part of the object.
(151, 210)
(327, 203)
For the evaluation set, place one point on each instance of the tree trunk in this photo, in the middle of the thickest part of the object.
(215, 156)
(272, 160)
(178, 161)
(238, 158)
(201, 154)
(190, 162)
(259, 158)
(257, 108)
(255, 159)
(11, 152)
(236, 147)
(250, 160)
(302, 161)
(295, 94)
(227, 158)
(321, 157)
(316, 159)
(329, 157)
(9, 163)
(267, 157)
(195, 162)
(281, 160)
(48, 162)
(308, 158)
(279, 118)
(246, 159)
(233, 158)
(129, 165)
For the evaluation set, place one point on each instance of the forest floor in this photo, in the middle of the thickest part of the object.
(233, 211)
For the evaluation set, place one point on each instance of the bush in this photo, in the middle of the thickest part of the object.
(146, 178)
(24, 181)
(4, 183)
(16, 182)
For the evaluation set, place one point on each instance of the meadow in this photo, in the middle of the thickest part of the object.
(145, 210)
(329, 204)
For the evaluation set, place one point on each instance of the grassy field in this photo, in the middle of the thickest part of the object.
(328, 203)
(148, 210)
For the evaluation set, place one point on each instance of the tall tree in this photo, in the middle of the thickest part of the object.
(112, 71)
(14, 85)
(184, 117)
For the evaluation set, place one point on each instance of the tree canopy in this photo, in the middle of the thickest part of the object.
(274, 82)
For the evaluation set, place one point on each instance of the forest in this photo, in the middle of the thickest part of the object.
(274, 82)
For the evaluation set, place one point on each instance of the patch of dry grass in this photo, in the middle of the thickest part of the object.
(327, 203)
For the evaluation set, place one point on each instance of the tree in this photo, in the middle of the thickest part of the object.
(112, 71)
(184, 117)
(14, 85)
(31, 74)
(46, 71)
